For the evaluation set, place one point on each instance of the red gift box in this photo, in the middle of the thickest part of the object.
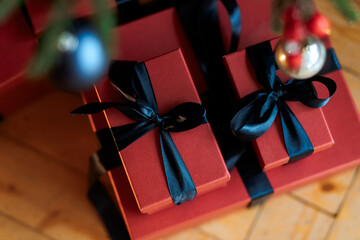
(270, 147)
(150, 37)
(40, 11)
(172, 85)
(147, 38)
(17, 44)
(343, 155)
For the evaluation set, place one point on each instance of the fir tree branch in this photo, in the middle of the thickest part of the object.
(347, 9)
(7, 7)
(104, 20)
(47, 53)
(307, 8)
(278, 9)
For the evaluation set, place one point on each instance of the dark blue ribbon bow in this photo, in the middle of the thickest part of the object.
(133, 82)
(259, 109)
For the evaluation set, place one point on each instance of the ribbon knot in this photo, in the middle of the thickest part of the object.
(258, 110)
(133, 82)
(158, 120)
(162, 122)
(280, 92)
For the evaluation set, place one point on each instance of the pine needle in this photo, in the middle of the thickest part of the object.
(307, 8)
(47, 53)
(347, 9)
(278, 9)
(7, 7)
(104, 20)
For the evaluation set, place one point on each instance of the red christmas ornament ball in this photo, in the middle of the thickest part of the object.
(294, 28)
(319, 25)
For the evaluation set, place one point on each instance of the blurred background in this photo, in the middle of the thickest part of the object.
(44, 151)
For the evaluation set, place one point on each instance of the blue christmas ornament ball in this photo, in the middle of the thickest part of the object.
(83, 59)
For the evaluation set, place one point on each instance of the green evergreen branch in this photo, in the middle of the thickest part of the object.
(104, 20)
(47, 53)
(307, 8)
(278, 9)
(347, 9)
(7, 7)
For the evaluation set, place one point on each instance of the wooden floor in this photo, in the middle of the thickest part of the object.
(44, 160)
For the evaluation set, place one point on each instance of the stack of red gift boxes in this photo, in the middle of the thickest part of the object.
(161, 42)
(176, 75)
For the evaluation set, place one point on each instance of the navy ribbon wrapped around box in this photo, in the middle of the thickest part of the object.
(201, 22)
(258, 110)
(135, 86)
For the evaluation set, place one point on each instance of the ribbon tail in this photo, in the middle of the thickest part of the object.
(180, 183)
(127, 134)
(297, 142)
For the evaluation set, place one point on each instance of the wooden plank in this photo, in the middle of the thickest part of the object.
(13, 230)
(71, 216)
(48, 126)
(232, 226)
(347, 223)
(345, 37)
(191, 234)
(354, 86)
(286, 218)
(28, 182)
(45, 195)
(327, 194)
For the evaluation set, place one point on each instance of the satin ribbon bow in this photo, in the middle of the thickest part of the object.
(133, 82)
(259, 109)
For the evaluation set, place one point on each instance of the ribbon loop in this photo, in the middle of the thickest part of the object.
(258, 110)
(305, 92)
(133, 82)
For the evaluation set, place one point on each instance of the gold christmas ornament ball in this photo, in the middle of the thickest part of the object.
(300, 59)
